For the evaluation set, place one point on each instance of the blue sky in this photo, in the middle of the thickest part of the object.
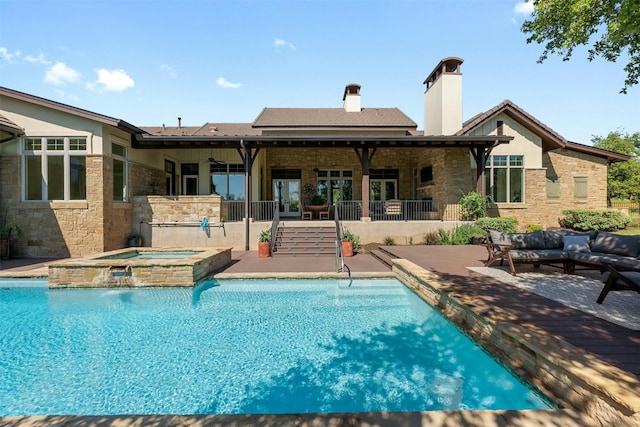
(149, 62)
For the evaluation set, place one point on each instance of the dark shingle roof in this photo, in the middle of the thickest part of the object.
(333, 118)
(208, 129)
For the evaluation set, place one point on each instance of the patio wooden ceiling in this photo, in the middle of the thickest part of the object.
(142, 141)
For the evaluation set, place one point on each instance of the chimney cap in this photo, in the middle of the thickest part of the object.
(351, 89)
(450, 65)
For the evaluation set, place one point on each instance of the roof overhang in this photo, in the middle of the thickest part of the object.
(611, 156)
(158, 142)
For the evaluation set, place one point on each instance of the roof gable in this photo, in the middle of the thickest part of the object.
(550, 138)
(36, 100)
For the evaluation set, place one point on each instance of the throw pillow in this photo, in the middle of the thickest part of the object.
(576, 243)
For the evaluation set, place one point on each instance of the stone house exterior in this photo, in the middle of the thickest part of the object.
(78, 182)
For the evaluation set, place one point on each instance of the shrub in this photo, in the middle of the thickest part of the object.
(431, 238)
(472, 206)
(586, 220)
(388, 241)
(348, 236)
(534, 227)
(504, 225)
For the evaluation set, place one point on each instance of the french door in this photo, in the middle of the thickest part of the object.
(286, 192)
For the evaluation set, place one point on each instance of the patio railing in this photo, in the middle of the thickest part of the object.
(351, 210)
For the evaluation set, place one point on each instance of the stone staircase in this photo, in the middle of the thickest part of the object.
(305, 241)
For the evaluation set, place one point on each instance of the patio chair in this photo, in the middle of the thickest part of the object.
(306, 213)
(324, 214)
(393, 208)
(499, 251)
(615, 280)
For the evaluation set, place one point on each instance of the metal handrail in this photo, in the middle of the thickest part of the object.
(340, 265)
(274, 227)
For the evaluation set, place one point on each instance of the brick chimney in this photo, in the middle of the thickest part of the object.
(443, 98)
(351, 98)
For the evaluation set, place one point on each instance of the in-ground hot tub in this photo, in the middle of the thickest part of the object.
(139, 267)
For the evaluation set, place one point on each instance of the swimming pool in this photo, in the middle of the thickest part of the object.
(241, 346)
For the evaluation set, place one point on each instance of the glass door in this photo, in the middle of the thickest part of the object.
(286, 192)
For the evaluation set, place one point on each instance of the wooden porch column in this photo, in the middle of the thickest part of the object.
(365, 160)
(247, 159)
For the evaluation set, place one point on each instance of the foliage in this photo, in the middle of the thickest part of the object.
(265, 235)
(472, 206)
(587, 220)
(388, 241)
(504, 225)
(431, 238)
(348, 236)
(318, 199)
(623, 178)
(410, 240)
(563, 25)
(533, 227)
(7, 228)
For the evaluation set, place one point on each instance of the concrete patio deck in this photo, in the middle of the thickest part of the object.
(612, 344)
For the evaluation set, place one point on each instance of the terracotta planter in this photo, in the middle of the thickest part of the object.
(347, 248)
(264, 249)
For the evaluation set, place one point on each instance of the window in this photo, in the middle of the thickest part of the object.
(580, 187)
(189, 178)
(227, 181)
(55, 168)
(170, 177)
(426, 174)
(120, 172)
(335, 185)
(505, 178)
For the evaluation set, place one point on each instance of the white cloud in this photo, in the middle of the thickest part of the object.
(283, 43)
(224, 83)
(60, 74)
(114, 80)
(5, 55)
(40, 59)
(169, 70)
(523, 8)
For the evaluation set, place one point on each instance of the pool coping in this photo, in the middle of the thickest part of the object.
(604, 392)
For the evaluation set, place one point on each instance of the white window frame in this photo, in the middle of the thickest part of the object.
(66, 153)
(490, 167)
(125, 160)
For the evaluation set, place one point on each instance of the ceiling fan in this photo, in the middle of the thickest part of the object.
(217, 162)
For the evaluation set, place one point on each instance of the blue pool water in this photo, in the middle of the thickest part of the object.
(234, 346)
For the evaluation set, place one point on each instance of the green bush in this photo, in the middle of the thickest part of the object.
(587, 220)
(504, 225)
(388, 241)
(472, 206)
(431, 238)
(533, 227)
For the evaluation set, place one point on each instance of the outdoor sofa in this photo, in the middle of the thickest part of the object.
(565, 248)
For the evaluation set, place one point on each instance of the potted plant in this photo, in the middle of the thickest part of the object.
(350, 243)
(318, 200)
(6, 231)
(264, 244)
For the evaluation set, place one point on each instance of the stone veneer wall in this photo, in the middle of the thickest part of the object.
(176, 209)
(565, 165)
(54, 229)
(119, 220)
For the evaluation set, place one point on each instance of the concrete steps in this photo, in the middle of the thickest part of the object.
(383, 256)
(305, 241)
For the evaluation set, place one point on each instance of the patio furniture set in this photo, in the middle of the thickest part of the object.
(617, 255)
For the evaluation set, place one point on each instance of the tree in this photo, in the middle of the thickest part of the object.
(566, 24)
(623, 179)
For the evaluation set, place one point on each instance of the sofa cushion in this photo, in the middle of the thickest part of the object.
(598, 258)
(538, 255)
(576, 244)
(617, 244)
(500, 238)
(554, 239)
(533, 240)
